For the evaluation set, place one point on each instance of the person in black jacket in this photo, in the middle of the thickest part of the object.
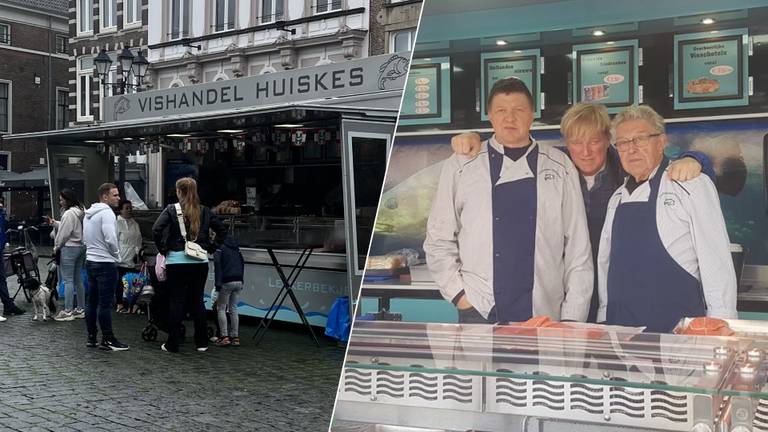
(229, 267)
(186, 275)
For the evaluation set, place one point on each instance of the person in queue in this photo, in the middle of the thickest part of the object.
(9, 307)
(101, 257)
(664, 249)
(522, 200)
(129, 241)
(586, 131)
(69, 244)
(186, 276)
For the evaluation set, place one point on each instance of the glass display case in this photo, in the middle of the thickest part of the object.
(422, 375)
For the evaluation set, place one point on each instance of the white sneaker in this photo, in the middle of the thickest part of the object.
(2, 318)
(79, 313)
(202, 349)
(64, 316)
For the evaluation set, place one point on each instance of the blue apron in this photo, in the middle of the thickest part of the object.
(646, 287)
(514, 238)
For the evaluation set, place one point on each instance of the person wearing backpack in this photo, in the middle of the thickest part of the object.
(230, 273)
(181, 234)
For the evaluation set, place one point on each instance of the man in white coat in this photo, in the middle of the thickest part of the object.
(507, 235)
(664, 250)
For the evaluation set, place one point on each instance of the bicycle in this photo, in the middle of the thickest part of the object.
(22, 260)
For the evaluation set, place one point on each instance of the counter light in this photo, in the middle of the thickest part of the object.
(230, 131)
(288, 125)
(178, 135)
(501, 42)
(94, 141)
(708, 21)
(598, 33)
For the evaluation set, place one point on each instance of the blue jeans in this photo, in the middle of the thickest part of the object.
(102, 277)
(72, 261)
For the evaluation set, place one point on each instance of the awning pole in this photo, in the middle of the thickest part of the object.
(121, 183)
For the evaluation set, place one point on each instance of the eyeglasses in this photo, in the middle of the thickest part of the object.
(639, 141)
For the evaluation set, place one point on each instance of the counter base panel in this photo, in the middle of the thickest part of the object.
(456, 420)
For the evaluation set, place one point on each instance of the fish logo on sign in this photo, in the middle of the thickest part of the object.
(121, 106)
(395, 67)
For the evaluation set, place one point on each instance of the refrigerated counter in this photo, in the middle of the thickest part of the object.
(589, 377)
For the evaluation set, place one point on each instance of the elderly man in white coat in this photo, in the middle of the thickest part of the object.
(664, 250)
(507, 235)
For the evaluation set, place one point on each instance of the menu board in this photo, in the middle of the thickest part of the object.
(523, 65)
(427, 95)
(711, 69)
(606, 73)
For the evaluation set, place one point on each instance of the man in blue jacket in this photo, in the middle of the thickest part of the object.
(9, 307)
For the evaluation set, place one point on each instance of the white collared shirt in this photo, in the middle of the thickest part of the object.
(692, 230)
(459, 243)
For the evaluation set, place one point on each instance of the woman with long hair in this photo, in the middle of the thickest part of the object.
(69, 243)
(186, 275)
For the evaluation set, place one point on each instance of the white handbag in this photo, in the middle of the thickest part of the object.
(191, 249)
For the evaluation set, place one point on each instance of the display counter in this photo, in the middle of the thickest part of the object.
(501, 378)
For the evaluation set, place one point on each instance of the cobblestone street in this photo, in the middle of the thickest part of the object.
(49, 380)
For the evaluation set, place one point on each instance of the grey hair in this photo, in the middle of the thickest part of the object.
(642, 112)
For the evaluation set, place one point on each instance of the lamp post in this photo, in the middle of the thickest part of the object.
(130, 65)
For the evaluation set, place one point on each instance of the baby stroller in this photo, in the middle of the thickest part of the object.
(157, 309)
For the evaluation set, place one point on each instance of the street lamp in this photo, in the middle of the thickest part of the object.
(131, 66)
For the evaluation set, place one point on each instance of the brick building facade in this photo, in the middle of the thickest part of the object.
(95, 25)
(34, 82)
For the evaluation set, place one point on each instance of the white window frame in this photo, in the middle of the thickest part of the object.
(184, 6)
(226, 24)
(84, 18)
(394, 34)
(60, 90)
(88, 75)
(135, 7)
(328, 5)
(65, 38)
(269, 16)
(10, 105)
(108, 13)
(7, 40)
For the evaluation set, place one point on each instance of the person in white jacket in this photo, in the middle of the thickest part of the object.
(102, 256)
(68, 246)
(129, 243)
(507, 235)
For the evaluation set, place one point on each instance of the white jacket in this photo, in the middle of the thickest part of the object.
(459, 243)
(128, 240)
(692, 229)
(100, 234)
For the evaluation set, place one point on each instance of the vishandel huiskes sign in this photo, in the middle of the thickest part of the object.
(362, 76)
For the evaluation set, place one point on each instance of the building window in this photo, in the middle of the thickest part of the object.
(61, 44)
(132, 11)
(327, 5)
(5, 107)
(5, 163)
(5, 34)
(84, 16)
(62, 108)
(401, 41)
(84, 82)
(179, 19)
(271, 10)
(225, 15)
(108, 90)
(108, 14)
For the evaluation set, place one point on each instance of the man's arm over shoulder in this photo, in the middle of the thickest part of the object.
(710, 238)
(441, 245)
(577, 259)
